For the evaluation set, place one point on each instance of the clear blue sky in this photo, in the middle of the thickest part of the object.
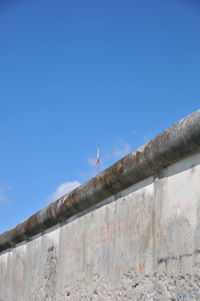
(75, 74)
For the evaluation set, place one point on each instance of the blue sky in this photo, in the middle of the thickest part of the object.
(75, 74)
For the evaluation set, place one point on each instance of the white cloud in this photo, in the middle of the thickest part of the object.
(63, 189)
(120, 149)
(144, 137)
(3, 198)
(134, 132)
(148, 136)
(91, 161)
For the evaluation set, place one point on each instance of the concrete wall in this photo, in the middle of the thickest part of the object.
(142, 243)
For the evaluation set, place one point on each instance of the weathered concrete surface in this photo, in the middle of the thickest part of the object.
(141, 243)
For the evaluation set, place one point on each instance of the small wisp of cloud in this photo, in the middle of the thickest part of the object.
(148, 137)
(3, 197)
(135, 132)
(91, 161)
(63, 189)
(143, 138)
(120, 149)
